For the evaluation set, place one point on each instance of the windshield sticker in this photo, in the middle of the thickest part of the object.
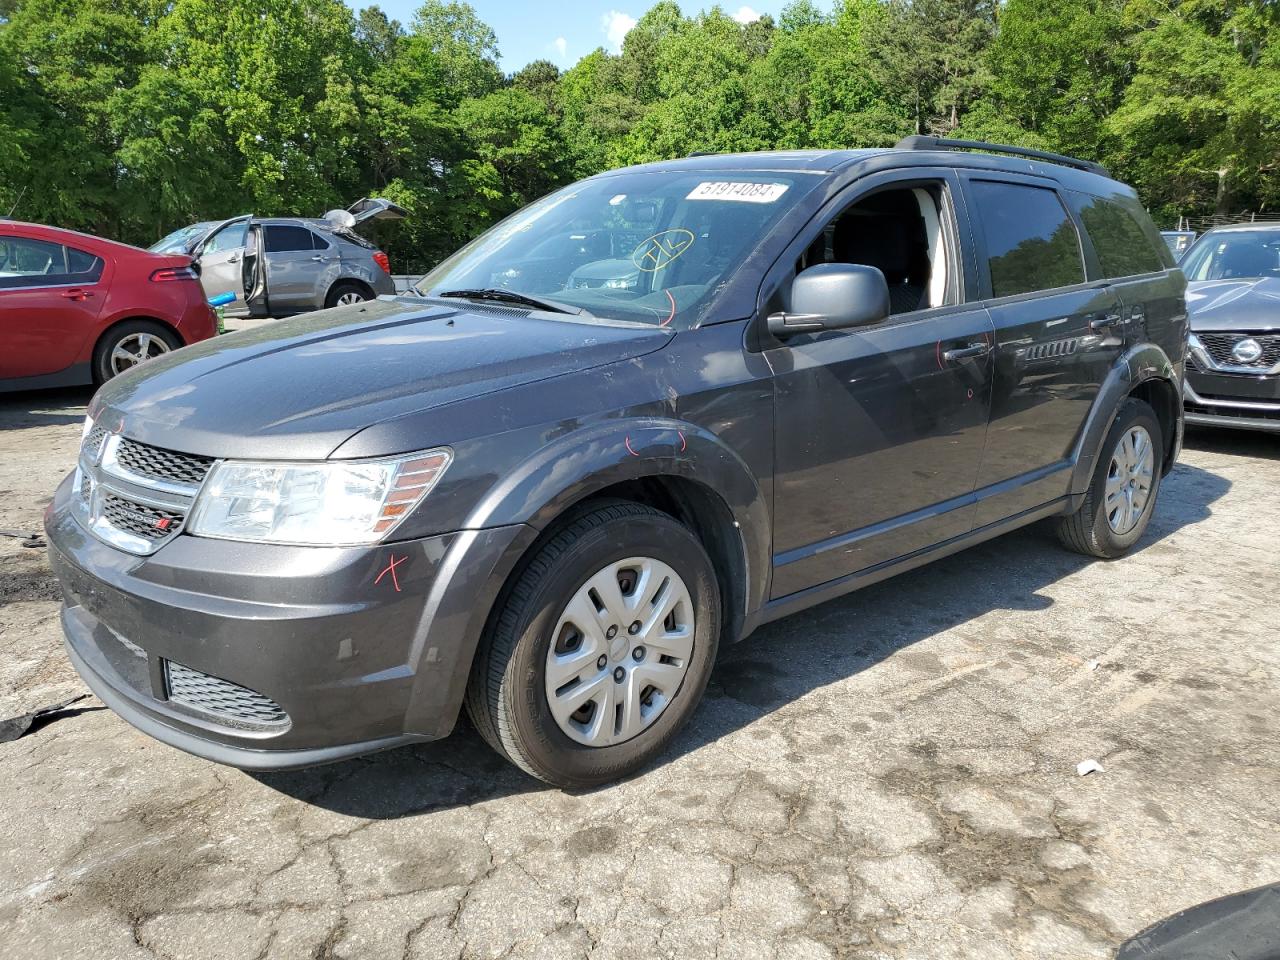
(656, 252)
(734, 190)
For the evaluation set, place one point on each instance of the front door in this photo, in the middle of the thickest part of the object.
(221, 258)
(879, 430)
(1056, 339)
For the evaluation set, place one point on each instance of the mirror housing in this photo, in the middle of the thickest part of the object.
(833, 296)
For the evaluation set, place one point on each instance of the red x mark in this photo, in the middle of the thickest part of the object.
(391, 569)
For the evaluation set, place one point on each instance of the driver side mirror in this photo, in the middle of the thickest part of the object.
(833, 296)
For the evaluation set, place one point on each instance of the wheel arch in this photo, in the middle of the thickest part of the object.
(353, 281)
(1143, 371)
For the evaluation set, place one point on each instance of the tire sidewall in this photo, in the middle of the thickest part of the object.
(1134, 413)
(541, 741)
(341, 287)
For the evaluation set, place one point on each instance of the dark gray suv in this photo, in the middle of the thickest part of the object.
(628, 425)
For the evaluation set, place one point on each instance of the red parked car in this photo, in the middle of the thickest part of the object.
(79, 309)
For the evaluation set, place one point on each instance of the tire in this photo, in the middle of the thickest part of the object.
(134, 337)
(509, 695)
(1091, 530)
(346, 289)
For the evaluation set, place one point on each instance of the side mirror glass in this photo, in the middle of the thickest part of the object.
(833, 296)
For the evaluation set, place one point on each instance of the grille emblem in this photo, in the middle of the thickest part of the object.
(1247, 350)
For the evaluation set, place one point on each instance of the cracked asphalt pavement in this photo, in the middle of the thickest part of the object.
(890, 775)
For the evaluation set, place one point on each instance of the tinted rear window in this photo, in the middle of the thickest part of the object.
(1031, 242)
(283, 238)
(1122, 246)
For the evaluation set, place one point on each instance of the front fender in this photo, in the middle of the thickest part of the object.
(1139, 363)
(584, 462)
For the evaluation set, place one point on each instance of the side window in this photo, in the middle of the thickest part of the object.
(230, 237)
(282, 238)
(1031, 241)
(30, 263)
(900, 232)
(318, 242)
(83, 266)
(1123, 248)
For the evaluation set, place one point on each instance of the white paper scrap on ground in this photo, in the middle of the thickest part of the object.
(1086, 767)
(1093, 664)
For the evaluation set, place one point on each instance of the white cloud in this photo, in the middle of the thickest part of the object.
(561, 46)
(746, 15)
(615, 26)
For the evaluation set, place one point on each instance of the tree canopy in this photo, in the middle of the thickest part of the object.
(129, 118)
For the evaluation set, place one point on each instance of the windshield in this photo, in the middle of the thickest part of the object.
(179, 240)
(1233, 255)
(642, 247)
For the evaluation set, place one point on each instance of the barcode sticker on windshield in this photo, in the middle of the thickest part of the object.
(741, 192)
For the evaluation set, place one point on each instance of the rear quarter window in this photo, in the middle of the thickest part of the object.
(1031, 241)
(1123, 247)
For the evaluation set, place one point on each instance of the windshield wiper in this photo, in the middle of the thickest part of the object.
(511, 296)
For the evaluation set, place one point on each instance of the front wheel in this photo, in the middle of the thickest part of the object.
(601, 649)
(1122, 493)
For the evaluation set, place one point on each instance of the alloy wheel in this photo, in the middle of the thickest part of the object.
(620, 651)
(347, 299)
(136, 348)
(1129, 480)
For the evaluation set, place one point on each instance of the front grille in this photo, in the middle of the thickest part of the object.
(139, 519)
(160, 464)
(86, 486)
(93, 441)
(229, 702)
(1220, 345)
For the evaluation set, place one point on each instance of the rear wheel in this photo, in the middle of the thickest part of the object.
(129, 344)
(601, 649)
(345, 293)
(1122, 493)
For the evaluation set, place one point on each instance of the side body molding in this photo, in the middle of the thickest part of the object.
(1142, 362)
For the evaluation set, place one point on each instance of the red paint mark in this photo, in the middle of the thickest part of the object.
(684, 444)
(164, 523)
(391, 569)
(937, 352)
(627, 441)
(672, 315)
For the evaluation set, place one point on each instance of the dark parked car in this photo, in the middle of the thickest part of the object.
(1233, 296)
(554, 501)
(80, 309)
(310, 262)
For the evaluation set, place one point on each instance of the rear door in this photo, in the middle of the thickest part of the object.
(292, 266)
(1056, 338)
(50, 298)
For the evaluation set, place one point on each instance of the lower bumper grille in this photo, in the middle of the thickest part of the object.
(222, 700)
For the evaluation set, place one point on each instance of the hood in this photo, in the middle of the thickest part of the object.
(1252, 304)
(297, 388)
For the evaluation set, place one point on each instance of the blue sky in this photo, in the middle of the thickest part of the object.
(565, 32)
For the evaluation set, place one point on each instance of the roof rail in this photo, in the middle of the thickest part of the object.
(942, 143)
(703, 153)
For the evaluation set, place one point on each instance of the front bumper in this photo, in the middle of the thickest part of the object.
(340, 661)
(1222, 400)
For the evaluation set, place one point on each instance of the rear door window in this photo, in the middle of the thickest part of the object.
(1122, 246)
(25, 262)
(283, 239)
(1031, 242)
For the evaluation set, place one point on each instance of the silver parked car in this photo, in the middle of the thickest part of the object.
(308, 263)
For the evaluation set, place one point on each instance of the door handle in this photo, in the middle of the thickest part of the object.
(76, 294)
(959, 353)
(319, 259)
(1104, 321)
(234, 258)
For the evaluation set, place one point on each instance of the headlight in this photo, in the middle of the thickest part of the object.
(622, 283)
(331, 503)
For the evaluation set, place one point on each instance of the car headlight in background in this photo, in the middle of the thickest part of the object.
(622, 283)
(330, 503)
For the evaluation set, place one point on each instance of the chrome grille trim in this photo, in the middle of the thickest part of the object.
(226, 702)
(134, 496)
(1213, 355)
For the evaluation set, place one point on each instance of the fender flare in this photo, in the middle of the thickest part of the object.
(1137, 365)
(579, 464)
